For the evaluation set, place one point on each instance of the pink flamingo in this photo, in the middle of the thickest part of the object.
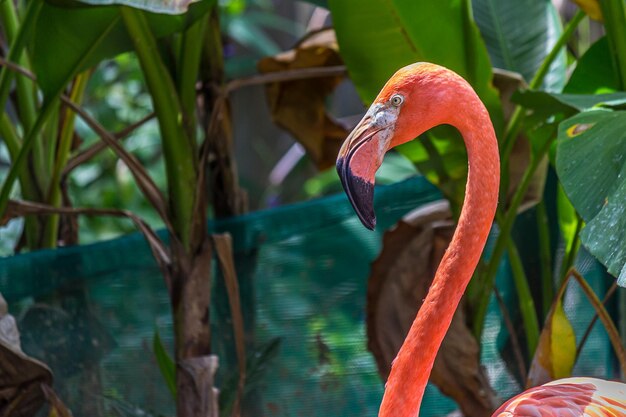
(417, 98)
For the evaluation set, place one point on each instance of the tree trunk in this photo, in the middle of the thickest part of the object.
(191, 276)
(191, 291)
(225, 196)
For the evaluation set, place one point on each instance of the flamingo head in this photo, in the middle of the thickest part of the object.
(403, 110)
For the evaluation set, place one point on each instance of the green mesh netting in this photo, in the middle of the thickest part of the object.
(90, 312)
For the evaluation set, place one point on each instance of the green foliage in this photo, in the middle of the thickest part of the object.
(518, 34)
(84, 36)
(614, 14)
(75, 34)
(548, 104)
(156, 6)
(165, 362)
(441, 157)
(116, 96)
(591, 164)
(587, 146)
(569, 223)
(378, 37)
(595, 71)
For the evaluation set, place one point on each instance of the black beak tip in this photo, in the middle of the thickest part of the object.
(360, 193)
(369, 222)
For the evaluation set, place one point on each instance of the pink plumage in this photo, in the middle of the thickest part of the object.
(417, 98)
(570, 397)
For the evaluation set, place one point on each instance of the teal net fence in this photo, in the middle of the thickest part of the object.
(91, 312)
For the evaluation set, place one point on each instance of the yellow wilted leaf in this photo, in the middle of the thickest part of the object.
(591, 7)
(563, 343)
(556, 350)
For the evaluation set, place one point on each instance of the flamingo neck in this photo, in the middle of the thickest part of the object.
(413, 364)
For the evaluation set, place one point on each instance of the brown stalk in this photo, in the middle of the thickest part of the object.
(98, 147)
(604, 317)
(517, 350)
(21, 208)
(19, 69)
(224, 250)
(289, 75)
(583, 339)
(145, 183)
(57, 408)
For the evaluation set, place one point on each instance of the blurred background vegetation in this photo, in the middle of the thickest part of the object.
(302, 270)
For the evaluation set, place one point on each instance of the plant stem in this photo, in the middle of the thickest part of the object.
(604, 316)
(614, 14)
(17, 35)
(570, 253)
(225, 195)
(25, 91)
(19, 161)
(9, 135)
(88, 153)
(513, 127)
(53, 197)
(567, 33)
(593, 321)
(526, 303)
(545, 257)
(179, 151)
(17, 47)
(191, 53)
(286, 75)
(482, 290)
(508, 323)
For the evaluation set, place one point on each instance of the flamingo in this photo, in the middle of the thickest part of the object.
(416, 98)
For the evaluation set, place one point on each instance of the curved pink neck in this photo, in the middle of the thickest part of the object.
(411, 368)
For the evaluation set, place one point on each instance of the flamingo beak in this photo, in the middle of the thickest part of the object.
(360, 157)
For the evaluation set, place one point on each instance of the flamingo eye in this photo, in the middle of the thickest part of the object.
(396, 100)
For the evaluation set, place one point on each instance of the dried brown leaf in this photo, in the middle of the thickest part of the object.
(20, 375)
(399, 281)
(592, 8)
(57, 408)
(299, 105)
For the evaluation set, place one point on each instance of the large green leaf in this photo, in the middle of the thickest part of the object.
(519, 34)
(441, 157)
(70, 39)
(378, 37)
(591, 164)
(156, 6)
(595, 71)
(550, 103)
